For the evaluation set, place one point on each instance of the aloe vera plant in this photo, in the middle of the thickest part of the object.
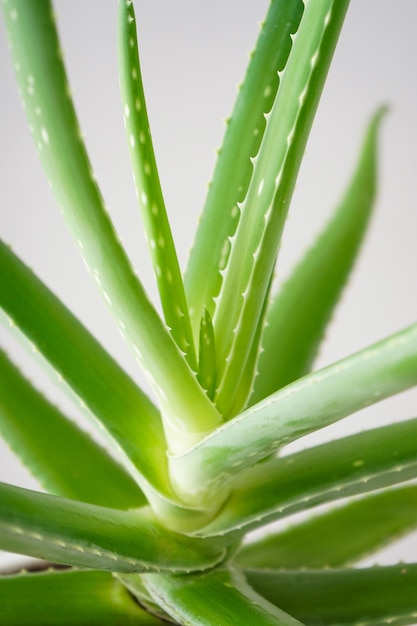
(149, 519)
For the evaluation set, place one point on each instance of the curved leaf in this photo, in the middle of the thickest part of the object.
(45, 441)
(350, 466)
(41, 75)
(84, 535)
(244, 132)
(219, 597)
(312, 402)
(265, 207)
(69, 597)
(339, 536)
(372, 597)
(148, 188)
(300, 312)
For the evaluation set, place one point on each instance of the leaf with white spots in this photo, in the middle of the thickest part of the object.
(184, 405)
(109, 398)
(376, 596)
(44, 440)
(89, 597)
(207, 355)
(341, 536)
(299, 314)
(220, 597)
(308, 404)
(354, 465)
(234, 168)
(84, 535)
(148, 187)
(265, 207)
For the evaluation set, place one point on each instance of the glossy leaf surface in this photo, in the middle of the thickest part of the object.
(375, 596)
(350, 466)
(310, 403)
(46, 441)
(83, 535)
(299, 314)
(36, 50)
(220, 597)
(340, 536)
(72, 597)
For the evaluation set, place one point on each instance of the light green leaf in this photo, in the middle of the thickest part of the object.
(372, 597)
(219, 597)
(69, 597)
(84, 535)
(45, 441)
(207, 355)
(46, 97)
(312, 402)
(148, 188)
(299, 314)
(339, 536)
(350, 466)
(244, 133)
(265, 207)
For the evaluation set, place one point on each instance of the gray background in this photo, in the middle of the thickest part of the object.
(193, 55)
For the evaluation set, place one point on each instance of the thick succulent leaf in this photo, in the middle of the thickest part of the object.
(69, 597)
(207, 355)
(135, 584)
(148, 188)
(372, 597)
(312, 402)
(85, 535)
(350, 466)
(338, 537)
(218, 597)
(265, 207)
(46, 441)
(98, 382)
(299, 314)
(47, 101)
(234, 167)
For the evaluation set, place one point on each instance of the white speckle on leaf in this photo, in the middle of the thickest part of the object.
(134, 73)
(267, 91)
(152, 244)
(142, 137)
(260, 187)
(138, 105)
(126, 110)
(14, 15)
(144, 198)
(44, 135)
(147, 168)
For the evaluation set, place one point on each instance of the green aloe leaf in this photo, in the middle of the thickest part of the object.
(69, 597)
(148, 188)
(45, 441)
(299, 314)
(338, 537)
(85, 535)
(46, 98)
(265, 207)
(312, 402)
(98, 382)
(218, 597)
(109, 397)
(207, 355)
(234, 168)
(350, 466)
(372, 597)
